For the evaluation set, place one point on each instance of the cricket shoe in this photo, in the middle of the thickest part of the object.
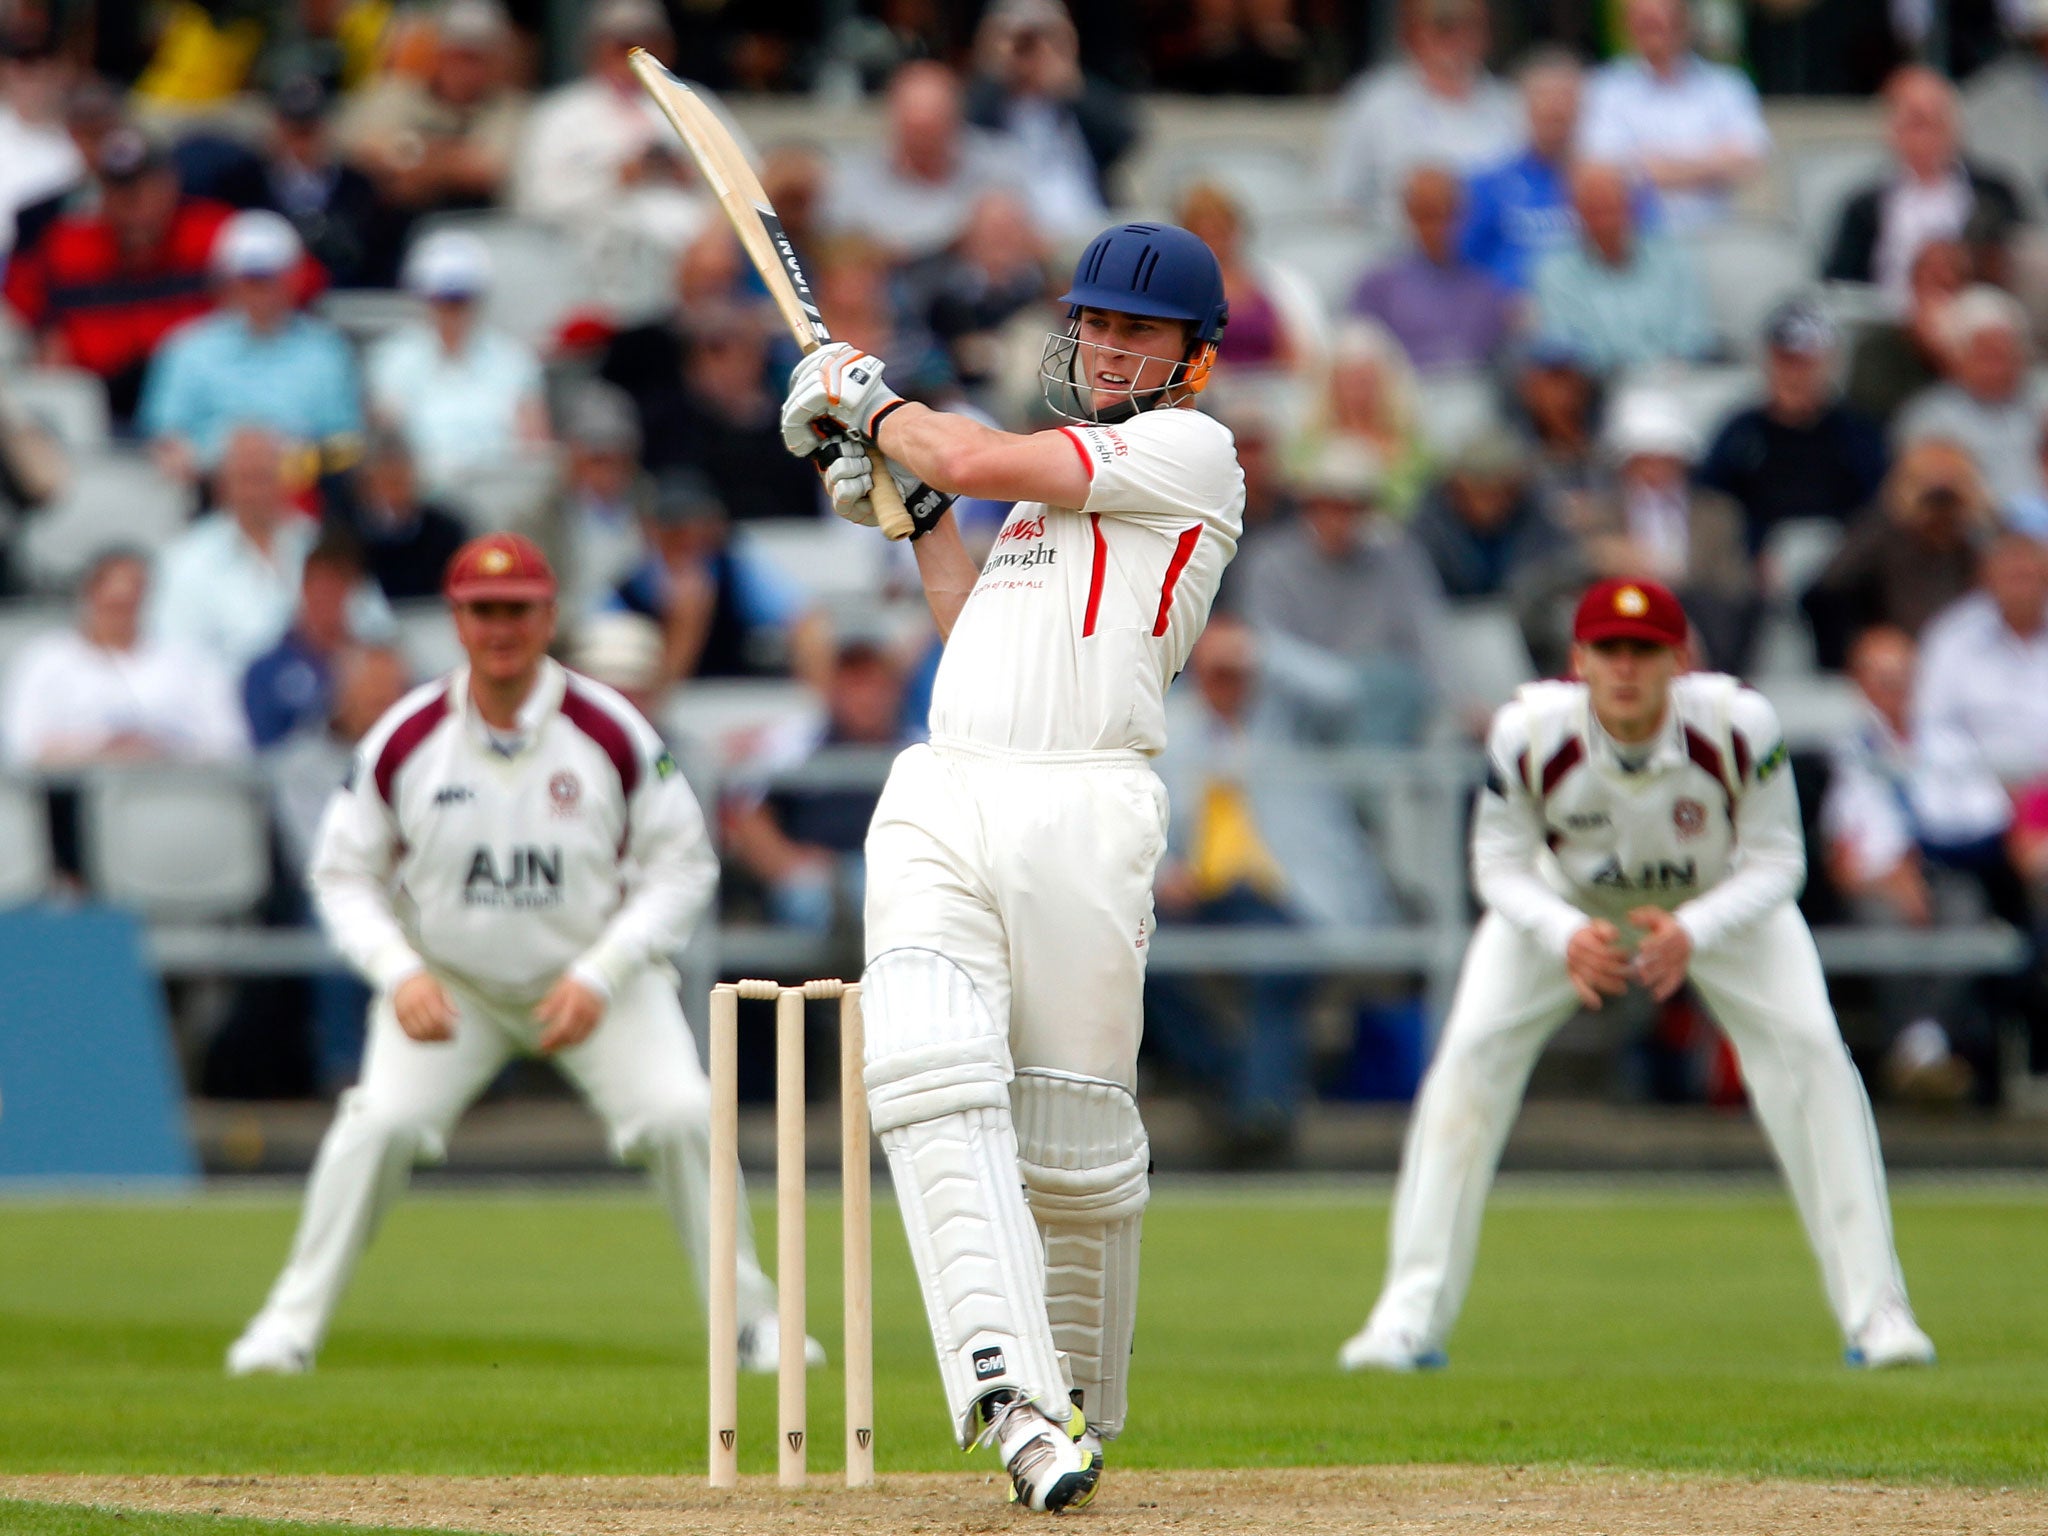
(761, 1348)
(1890, 1338)
(1367, 1350)
(1048, 1469)
(1085, 1435)
(263, 1350)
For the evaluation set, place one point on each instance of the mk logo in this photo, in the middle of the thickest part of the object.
(861, 1437)
(728, 1438)
(453, 794)
(796, 1439)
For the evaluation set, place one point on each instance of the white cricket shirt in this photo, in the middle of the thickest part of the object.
(1081, 619)
(583, 849)
(1707, 826)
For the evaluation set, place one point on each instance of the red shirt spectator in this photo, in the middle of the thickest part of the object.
(102, 289)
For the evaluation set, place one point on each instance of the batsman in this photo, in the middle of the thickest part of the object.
(1638, 826)
(1010, 860)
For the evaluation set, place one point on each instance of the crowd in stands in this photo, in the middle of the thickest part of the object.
(291, 265)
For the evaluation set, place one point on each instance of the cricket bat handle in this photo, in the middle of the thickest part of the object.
(890, 513)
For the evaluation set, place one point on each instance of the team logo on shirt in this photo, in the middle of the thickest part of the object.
(1019, 529)
(565, 792)
(665, 765)
(525, 877)
(1689, 817)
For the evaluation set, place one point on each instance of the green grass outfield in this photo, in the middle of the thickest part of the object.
(1640, 1326)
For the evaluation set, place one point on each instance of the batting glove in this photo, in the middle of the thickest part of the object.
(836, 386)
(850, 481)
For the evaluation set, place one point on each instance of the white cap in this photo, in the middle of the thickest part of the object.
(449, 264)
(1649, 421)
(620, 650)
(256, 244)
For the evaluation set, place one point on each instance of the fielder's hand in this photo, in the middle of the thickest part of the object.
(423, 1009)
(568, 1014)
(1665, 953)
(1596, 963)
(835, 386)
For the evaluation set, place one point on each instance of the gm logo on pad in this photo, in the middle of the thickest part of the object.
(989, 1363)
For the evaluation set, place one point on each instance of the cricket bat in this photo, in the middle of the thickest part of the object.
(726, 171)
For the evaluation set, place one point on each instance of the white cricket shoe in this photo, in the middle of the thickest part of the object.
(761, 1348)
(264, 1350)
(1890, 1338)
(1367, 1350)
(1048, 1469)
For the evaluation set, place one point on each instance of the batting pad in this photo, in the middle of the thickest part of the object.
(938, 1071)
(1087, 1168)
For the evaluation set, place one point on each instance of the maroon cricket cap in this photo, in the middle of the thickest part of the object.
(501, 567)
(1627, 608)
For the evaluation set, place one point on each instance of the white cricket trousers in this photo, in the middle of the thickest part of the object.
(1766, 990)
(638, 1070)
(1009, 917)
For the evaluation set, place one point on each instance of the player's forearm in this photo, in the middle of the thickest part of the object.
(947, 572)
(356, 912)
(1772, 871)
(664, 909)
(958, 455)
(1523, 898)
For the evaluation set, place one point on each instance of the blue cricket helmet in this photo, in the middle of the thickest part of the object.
(1159, 270)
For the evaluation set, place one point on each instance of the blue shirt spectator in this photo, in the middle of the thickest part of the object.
(1616, 299)
(254, 360)
(1519, 210)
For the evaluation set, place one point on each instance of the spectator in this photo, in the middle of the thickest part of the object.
(1984, 666)
(1254, 422)
(466, 396)
(1907, 825)
(1245, 849)
(100, 692)
(1692, 129)
(795, 177)
(624, 651)
(257, 360)
(1258, 335)
(588, 141)
(1986, 402)
(1437, 105)
(967, 295)
(1802, 453)
(1446, 312)
(1521, 211)
(290, 687)
(1070, 127)
(444, 139)
(1232, 48)
(103, 287)
(595, 524)
(1347, 608)
(343, 220)
(38, 160)
(804, 844)
(722, 418)
(1908, 556)
(722, 613)
(1893, 361)
(1557, 399)
(2005, 106)
(1619, 298)
(1649, 521)
(405, 543)
(913, 194)
(227, 587)
(1482, 526)
(302, 770)
(1370, 401)
(1931, 193)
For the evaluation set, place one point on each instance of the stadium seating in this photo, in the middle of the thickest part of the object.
(25, 867)
(426, 638)
(1748, 270)
(1271, 182)
(1822, 177)
(510, 493)
(1330, 252)
(178, 844)
(115, 497)
(1453, 408)
(537, 281)
(69, 403)
(366, 314)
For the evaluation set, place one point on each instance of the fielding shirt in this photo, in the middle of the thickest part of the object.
(580, 848)
(1706, 825)
(1080, 619)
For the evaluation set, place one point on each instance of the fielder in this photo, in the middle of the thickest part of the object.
(1638, 825)
(1010, 861)
(510, 864)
